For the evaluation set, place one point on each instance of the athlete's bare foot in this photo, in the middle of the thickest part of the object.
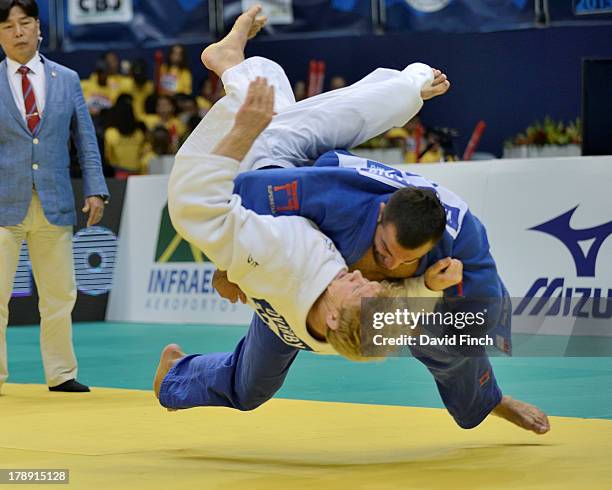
(229, 52)
(439, 86)
(169, 357)
(522, 414)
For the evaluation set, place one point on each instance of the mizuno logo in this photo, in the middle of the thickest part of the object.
(593, 239)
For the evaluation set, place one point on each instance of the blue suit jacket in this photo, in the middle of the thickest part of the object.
(65, 113)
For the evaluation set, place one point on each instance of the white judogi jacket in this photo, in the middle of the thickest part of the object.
(283, 264)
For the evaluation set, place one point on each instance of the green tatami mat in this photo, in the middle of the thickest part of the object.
(125, 356)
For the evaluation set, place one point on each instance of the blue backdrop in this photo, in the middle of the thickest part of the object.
(155, 23)
(164, 22)
(459, 15)
(509, 78)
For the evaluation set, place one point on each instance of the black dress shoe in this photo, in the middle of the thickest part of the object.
(72, 386)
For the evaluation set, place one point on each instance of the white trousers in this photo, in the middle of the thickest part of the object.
(302, 131)
(50, 249)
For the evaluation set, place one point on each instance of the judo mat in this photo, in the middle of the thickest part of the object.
(363, 437)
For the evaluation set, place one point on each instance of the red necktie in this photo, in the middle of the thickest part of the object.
(32, 115)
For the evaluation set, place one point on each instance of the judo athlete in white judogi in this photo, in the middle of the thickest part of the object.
(292, 274)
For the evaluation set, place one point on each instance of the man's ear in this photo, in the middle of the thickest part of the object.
(380, 211)
(332, 321)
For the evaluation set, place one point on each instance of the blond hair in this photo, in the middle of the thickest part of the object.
(347, 339)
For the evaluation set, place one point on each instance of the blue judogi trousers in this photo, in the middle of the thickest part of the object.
(251, 375)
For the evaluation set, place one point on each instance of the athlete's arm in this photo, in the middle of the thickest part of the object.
(200, 200)
(438, 277)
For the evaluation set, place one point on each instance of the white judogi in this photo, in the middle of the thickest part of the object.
(302, 131)
(283, 264)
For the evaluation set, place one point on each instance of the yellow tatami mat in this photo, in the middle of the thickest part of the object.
(122, 439)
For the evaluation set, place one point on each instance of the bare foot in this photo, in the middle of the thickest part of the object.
(522, 414)
(258, 24)
(229, 52)
(439, 86)
(169, 357)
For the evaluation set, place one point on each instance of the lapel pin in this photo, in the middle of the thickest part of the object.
(53, 74)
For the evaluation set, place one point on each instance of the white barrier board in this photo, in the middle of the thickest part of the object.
(159, 278)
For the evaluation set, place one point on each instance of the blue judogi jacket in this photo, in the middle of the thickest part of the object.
(342, 193)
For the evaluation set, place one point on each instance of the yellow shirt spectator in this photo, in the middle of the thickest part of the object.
(203, 104)
(175, 75)
(124, 152)
(174, 125)
(174, 80)
(97, 95)
(139, 96)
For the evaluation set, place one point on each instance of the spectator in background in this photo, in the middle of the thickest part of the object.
(414, 138)
(187, 107)
(190, 126)
(299, 90)
(97, 90)
(337, 82)
(113, 62)
(149, 107)
(42, 106)
(211, 90)
(141, 87)
(175, 76)
(165, 115)
(406, 138)
(205, 96)
(117, 82)
(124, 139)
(159, 145)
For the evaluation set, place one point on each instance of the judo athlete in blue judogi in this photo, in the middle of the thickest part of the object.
(342, 194)
(345, 197)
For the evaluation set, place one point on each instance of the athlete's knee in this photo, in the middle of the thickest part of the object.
(249, 403)
(467, 423)
(249, 398)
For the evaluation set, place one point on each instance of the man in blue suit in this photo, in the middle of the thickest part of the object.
(41, 106)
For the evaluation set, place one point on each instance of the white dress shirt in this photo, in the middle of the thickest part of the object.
(37, 80)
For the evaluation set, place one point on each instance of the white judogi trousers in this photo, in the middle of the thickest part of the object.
(302, 131)
(50, 249)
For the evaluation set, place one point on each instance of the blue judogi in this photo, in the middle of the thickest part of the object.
(242, 379)
(342, 194)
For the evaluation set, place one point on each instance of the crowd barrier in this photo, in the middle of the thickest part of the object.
(548, 221)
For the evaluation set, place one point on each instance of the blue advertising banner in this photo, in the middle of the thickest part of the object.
(579, 12)
(116, 24)
(307, 17)
(459, 15)
(128, 24)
